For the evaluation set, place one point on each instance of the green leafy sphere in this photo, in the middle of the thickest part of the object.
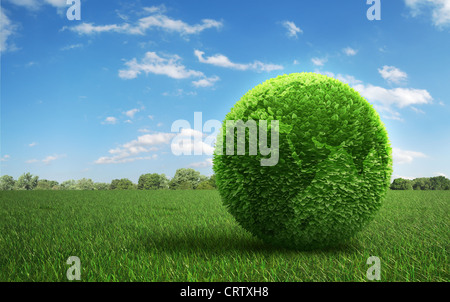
(334, 167)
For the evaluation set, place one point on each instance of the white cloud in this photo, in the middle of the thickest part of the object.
(293, 30)
(319, 61)
(190, 141)
(72, 46)
(57, 3)
(382, 49)
(143, 144)
(351, 80)
(206, 82)
(35, 5)
(440, 10)
(30, 64)
(441, 174)
(156, 9)
(90, 28)
(399, 97)
(168, 65)
(222, 61)
(384, 100)
(203, 164)
(32, 144)
(156, 20)
(110, 120)
(130, 113)
(118, 160)
(394, 176)
(350, 51)
(163, 22)
(47, 160)
(388, 113)
(179, 93)
(417, 110)
(404, 156)
(29, 4)
(5, 157)
(7, 28)
(393, 74)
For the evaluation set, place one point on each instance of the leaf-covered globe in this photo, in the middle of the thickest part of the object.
(334, 167)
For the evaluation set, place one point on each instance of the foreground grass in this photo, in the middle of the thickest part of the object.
(189, 236)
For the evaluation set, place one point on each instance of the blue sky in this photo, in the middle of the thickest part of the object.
(96, 98)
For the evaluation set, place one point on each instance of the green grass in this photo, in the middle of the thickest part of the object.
(189, 236)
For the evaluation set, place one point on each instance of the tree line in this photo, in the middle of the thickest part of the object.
(423, 183)
(184, 179)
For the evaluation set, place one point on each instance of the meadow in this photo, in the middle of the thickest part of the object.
(189, 236)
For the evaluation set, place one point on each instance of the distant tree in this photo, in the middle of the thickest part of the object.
(185, 179)
(149, 181)
(447, 185)
(114, 184)
(7, 183)
(69, 185)
(185, 185)
(440, 183)
(431, 183)
(44, 184)
(205, 185)
(122, 184)
(27, 182)
(401, 184)
(422, 183)
(212, 181)
(101, 186)
(85, 184)
(163, 181)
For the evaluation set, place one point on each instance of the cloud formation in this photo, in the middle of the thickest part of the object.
(293, 30)
(5, 157)
(404, 156)
(203, 164)
(110, 120)
(386, 100)
(440, 10)
(319, 61)
(350, 51)
(206, 82)
(392, 74)
(168, 65)
(129, 152)
(223, 61)
(7, 28)
(156, 20)
(398, 97)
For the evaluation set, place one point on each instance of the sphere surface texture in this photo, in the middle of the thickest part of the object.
(334, 163)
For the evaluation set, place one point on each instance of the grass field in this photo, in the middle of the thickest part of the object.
(189, 236)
